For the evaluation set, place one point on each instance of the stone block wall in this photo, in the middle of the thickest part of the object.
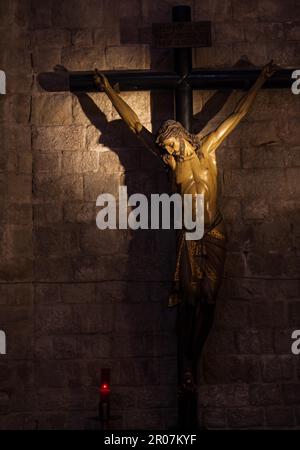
(74, 299)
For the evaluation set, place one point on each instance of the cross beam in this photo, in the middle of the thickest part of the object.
(144, 80)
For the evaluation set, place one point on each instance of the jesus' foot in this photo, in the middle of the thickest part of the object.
(188, 383)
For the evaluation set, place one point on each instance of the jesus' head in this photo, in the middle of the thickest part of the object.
(176, 140)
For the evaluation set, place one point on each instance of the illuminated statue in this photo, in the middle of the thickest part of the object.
(200, 263)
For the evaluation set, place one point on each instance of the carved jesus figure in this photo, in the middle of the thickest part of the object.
(200, 263)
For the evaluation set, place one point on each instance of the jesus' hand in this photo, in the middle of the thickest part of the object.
(100, 80)
(270, 69)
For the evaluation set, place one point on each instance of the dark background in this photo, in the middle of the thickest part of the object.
(74, 299)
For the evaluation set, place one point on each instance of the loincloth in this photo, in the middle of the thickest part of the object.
(199, 265)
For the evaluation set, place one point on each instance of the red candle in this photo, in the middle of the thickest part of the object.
(104, 392)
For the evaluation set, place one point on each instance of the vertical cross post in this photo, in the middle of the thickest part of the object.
(183, 66)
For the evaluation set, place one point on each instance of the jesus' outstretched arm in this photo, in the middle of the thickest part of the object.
(214, 139)
(127, 114)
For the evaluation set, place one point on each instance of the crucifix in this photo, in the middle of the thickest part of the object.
(199, 264)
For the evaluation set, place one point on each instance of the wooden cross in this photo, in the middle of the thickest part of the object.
(181, 35)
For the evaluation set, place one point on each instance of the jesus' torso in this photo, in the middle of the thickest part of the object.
(196, 175)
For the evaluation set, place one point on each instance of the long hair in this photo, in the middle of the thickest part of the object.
(171, 128)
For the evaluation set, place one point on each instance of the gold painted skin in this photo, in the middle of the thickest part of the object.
(193, 175)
